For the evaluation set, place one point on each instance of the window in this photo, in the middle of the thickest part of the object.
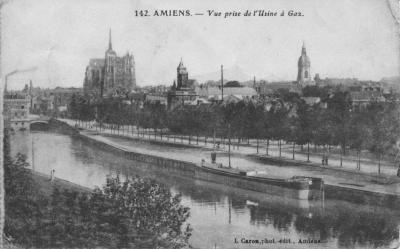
(22, 107)
(306, 74)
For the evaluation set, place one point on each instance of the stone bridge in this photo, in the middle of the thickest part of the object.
(39, 123)
(42, 120)
(26, 123)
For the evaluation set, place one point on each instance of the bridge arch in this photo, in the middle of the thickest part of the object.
(39, 125)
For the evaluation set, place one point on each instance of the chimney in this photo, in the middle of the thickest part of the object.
(30, 87)
(5, 85)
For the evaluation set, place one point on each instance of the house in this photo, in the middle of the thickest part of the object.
(214, 94)
(157, 98)
(361, 99)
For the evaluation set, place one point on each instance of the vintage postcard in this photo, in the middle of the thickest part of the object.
(200, 124)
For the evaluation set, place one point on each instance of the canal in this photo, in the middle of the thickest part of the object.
(220, 214)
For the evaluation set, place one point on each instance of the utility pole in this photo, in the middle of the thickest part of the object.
(33, 154)
(229, 146)
(214, 138)
(222, 83)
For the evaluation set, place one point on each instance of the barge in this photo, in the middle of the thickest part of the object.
(297, 187)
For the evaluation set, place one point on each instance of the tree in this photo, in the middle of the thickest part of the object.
(339, 107)
(232, 84)
(383, 128)
(73, 107)
(278, 120)
(358, 132)
(306, 125)
(254, 122)
(316, 91)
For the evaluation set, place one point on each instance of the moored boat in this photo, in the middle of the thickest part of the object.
(298, 187)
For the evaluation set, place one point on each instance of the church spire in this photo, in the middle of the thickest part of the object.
(109, 41)
(303, 49)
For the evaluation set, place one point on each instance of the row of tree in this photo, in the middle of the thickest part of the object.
(285, 116)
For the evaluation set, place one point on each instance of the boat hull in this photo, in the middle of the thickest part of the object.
(301, 190)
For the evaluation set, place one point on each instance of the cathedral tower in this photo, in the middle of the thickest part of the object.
(304, 74)
(182, 76)
(110, 65)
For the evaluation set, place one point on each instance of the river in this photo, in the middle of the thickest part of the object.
(221, 215)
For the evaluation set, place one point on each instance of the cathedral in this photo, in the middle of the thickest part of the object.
(112, 75)
(304, 74)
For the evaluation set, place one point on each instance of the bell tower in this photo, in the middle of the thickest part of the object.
(304, 73)
(182, 76)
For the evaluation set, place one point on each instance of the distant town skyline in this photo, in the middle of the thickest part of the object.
(344, 39)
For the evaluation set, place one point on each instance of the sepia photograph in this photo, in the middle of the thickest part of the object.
(200, 124)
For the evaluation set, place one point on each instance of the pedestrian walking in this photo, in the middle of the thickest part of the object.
(52, 174)
(213, 156)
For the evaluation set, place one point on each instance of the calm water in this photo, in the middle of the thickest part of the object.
(220, 214)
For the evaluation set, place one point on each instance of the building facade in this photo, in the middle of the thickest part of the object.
(112, 75)
(16, 110)
(214, 94)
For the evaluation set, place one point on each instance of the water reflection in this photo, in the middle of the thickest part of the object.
(219, 214)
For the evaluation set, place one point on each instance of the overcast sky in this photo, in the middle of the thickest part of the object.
(344, 38)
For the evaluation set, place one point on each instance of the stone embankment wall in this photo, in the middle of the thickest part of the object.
(361, 196)
(297, 190)
(62, 127)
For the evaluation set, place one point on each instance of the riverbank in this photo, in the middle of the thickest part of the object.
(46, 185)
(341, 185)
(332, 191)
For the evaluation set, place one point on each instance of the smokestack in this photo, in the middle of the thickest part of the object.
(6, 79)
(15, 72)
(222, 82)
(30, 87)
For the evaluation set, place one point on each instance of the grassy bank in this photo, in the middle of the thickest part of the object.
(46, 186)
